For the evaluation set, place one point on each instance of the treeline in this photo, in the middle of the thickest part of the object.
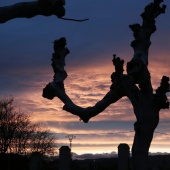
(21, 136)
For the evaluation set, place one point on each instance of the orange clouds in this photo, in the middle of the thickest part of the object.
(86, 86)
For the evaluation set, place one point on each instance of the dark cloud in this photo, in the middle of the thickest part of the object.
(94, 156)
(164, 127)
(91, 94)
(103, 86)
(80, 87)
(100, 125)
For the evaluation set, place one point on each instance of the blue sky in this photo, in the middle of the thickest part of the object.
(25, 68)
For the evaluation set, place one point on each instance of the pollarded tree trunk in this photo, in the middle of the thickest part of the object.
(146, 104)
(147, 110)
(136, 85)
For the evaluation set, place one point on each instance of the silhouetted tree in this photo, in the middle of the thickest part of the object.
(19, 135)
(43, 141)
(136, 85)
(22, 137)
(9, 121)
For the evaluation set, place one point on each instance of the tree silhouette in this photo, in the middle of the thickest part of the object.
(34, 8)
(19, 135)
(43, 141)
(10, 121)
(136, 85)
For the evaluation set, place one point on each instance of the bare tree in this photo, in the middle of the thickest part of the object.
(42, 141)
(9, 120)
(19, 135)
(136, 85)
(23, 134)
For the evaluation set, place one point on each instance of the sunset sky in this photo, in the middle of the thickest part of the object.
(25, 69)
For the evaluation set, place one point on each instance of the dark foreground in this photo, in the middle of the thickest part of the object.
(18, 162)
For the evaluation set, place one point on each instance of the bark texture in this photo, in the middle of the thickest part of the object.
(136, 85)
(31, 9)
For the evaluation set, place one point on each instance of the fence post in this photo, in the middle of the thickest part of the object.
(35, 161)
(64, 158)
(123, 157)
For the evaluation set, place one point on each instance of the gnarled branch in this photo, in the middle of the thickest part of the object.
(56, 88)
(142, 33)
(161, 100)
(137, 67)
(31, 9)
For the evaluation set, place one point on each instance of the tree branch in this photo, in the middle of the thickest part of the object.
(161, 100)
(137, 67)
(76, 20)
(31, 9)
(142, 33)
(56, 88)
